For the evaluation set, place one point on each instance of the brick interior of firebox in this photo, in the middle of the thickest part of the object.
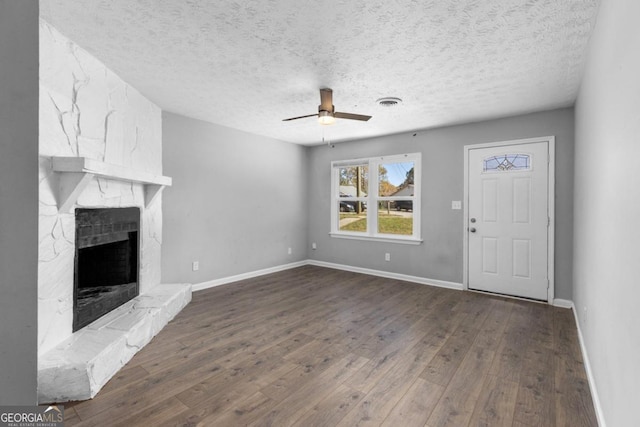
(106, 273)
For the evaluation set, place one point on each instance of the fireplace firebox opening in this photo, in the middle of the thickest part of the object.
(106, 262)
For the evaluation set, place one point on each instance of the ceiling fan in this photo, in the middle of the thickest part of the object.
(327, 113)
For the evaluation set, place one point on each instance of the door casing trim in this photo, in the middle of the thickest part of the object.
(551, 141)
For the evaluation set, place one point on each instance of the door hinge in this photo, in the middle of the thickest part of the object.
(548, 221)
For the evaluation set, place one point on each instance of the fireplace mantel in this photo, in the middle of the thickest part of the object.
(77, 172)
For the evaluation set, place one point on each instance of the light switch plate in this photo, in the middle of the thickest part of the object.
(456, 204)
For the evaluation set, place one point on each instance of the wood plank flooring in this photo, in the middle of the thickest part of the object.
(319, 347)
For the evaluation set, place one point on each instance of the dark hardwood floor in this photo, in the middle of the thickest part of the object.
(320, 347)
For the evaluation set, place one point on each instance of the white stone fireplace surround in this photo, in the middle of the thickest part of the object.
(100, 147)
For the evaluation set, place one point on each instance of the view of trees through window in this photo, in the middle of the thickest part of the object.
(356, 177)
(389, 184)
(395, 198)
(393, 202)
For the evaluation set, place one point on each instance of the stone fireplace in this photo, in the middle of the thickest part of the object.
(100, 296)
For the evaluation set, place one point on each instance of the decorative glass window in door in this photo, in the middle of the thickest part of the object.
(507, 162)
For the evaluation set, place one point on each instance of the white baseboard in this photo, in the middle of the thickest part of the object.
(379, 273)
(587, 367)
(563, 303)
(249, 275)
(389, 275)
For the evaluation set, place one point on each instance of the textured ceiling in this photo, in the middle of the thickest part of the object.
(250, 64)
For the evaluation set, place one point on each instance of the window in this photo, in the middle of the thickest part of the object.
(507, 162)
(377, 198)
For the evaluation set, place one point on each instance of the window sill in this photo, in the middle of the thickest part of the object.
(402, 241)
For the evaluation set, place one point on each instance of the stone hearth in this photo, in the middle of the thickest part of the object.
(77, 368)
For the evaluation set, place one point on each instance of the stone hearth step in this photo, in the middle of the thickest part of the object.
(80, 366)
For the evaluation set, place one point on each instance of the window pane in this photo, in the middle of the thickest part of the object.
(354, 181)
(350, 219)
(395, 179)
(392, 221)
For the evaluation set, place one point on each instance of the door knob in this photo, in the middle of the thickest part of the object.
(472, 229)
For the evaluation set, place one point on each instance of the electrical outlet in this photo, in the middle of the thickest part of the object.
(195, 266)
(387, 257)
(289, 251)
(314, 246)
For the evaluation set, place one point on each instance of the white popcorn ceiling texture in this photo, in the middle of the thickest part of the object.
(250, 64)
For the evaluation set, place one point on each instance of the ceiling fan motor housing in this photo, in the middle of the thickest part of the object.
(333, 109)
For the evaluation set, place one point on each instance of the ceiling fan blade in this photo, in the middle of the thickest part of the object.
(299, 117)
(351, 116)
(326, 100)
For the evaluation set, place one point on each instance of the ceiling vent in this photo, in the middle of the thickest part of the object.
(388, 101)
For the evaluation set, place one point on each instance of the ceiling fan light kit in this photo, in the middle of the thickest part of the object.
(326, 118)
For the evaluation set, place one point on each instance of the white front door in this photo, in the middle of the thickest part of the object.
(508, 219)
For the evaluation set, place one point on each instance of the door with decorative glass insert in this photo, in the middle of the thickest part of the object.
(508, 219)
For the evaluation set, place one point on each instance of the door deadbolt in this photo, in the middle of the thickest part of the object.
(472, 220)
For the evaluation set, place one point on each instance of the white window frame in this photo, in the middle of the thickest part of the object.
(372, 198)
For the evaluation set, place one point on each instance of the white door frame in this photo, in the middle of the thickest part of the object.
(551, 140)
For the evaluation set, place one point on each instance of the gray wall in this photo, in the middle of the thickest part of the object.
(440, 255)
(607, 210)
(237, 203)
(18, 201)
